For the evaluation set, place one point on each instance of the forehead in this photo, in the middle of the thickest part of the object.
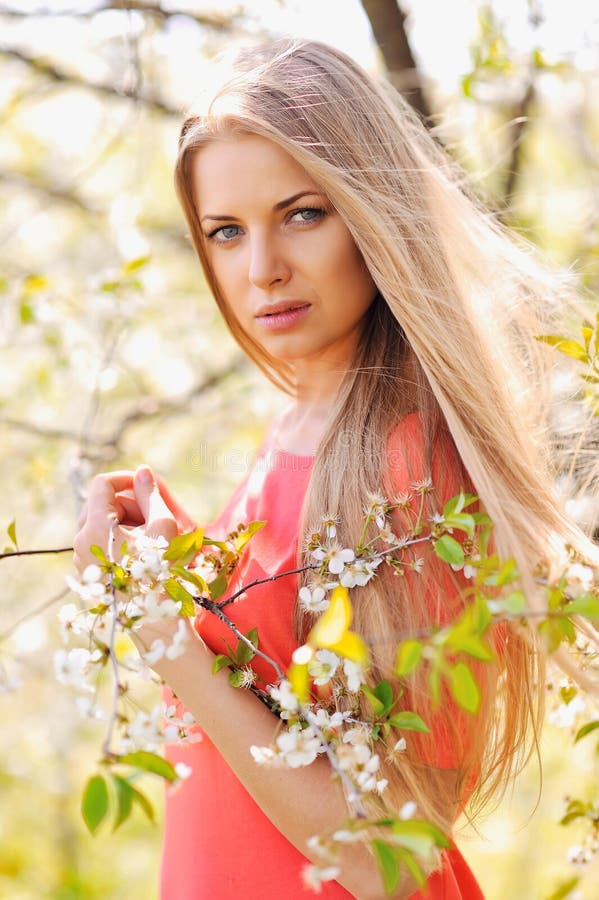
(233, 171)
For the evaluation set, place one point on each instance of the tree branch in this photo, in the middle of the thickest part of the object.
(387, 21)
(49, 70)
(519, 124)
(148, 408)
(215, 21)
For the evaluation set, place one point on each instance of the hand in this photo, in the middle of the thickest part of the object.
(125, 504)
(128, 508)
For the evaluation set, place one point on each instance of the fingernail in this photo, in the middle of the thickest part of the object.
(144, 475)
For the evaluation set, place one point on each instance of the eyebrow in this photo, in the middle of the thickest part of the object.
(282, 204)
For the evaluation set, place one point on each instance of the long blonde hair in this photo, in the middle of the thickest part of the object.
(450, 337)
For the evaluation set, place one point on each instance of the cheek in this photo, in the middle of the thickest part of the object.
(351, 274)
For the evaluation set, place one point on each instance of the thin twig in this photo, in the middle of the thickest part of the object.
(34, 612)
(35, 552)
(214, 608)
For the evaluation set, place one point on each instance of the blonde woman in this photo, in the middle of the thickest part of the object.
(353, 267)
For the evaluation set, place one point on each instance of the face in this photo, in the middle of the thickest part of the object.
(284, 260)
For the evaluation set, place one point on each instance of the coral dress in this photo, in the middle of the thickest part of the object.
(218, 844)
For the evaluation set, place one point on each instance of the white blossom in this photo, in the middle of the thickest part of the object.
(144, 732)
(72, 666)
(322, 719)
(579, 579)
(407, 811)
(89, 592)
(565, 714)
(334, 557)
(263, 755)
(183, 771)
(359, 573)
(314, 876)
(356, 758)
(73, 620)
(354, 674)
(313, 600)
(177, 645)
(284, 696)
(298, 746)
(156, 652)
(323, 667)
(88, 709)
(400, 746)
(343, 836)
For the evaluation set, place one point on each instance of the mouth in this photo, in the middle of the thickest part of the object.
(276, 309)
(282, 316)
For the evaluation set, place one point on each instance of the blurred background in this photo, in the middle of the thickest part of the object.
(113, 355)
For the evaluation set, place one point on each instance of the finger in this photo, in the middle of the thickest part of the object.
(157, 516)
(82, 516)
(132, 514)
(104, 487)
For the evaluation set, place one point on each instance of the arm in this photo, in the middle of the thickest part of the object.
(300, 802)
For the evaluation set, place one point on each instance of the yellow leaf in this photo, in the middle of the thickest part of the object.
(352, 647)
(299, 679)
(334, 622)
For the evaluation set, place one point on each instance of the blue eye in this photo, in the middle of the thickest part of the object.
(308, 213)
(224, 234)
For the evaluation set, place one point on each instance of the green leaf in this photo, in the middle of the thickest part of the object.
(449, 550)
(143, 802)
(409, 860)
(556, 630)
(378, 708)
(408, 721)
(184, 547)
(26, 314)
(454, 505)
(242, 539)
(99, 554)
(418, 836)
(388, 864)
(220, 662)
(218, 587)
(409, 654)
(149, 762)
(464, 688)
(180, 594)
(135, 264)
(586, 729)
(12, 532)
(124, 800)
(564, 889)
(461, 521)
(384, 692)
(243, 654)
(94, 804)
(515, 603)
(191, 577)
(565, 345)
(507, 574)
(585, 605)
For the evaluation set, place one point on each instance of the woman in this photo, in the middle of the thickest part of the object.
(352, 266)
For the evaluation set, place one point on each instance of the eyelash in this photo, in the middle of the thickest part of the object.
(212, 236)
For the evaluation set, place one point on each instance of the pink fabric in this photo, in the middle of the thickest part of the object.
(218, 844)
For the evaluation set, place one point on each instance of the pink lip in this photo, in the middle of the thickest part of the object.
(283, 315)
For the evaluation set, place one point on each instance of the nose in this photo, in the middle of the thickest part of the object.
(268, 265)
